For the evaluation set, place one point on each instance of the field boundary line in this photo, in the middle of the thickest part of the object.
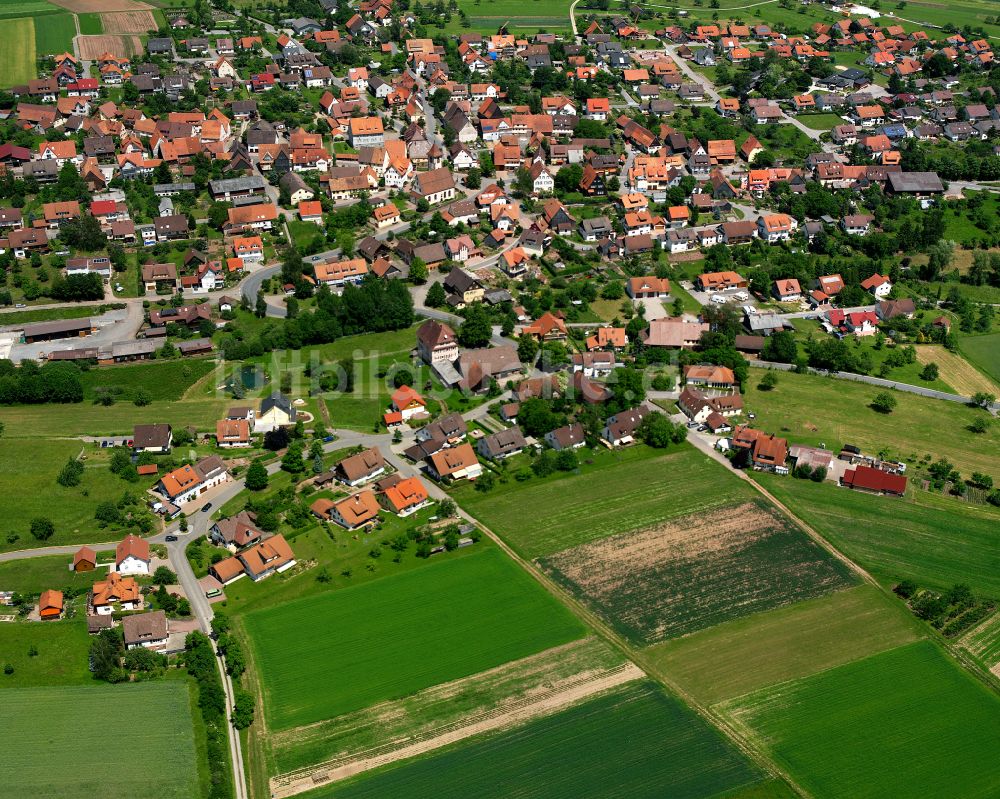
(510, 714)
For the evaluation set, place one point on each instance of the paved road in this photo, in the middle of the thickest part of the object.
(252, 284)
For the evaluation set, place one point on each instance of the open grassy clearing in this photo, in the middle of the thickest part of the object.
(744, 655)
(809, 409)
(956, 371)
(620, 491)
(333, 654)
(61, 660)
(17, 51)
(54, 34)
(28, 489)
(983, 352)
(983, 643)
(907, 722)
(64, 749)
(697, 571)
(34, 575)
(635, 741)
(515, 691)
(934, 541)
(166, 380)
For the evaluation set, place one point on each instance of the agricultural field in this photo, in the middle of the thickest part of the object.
(91, 47)
(102, 6)
(64, 750)
(129, 22)
(26, 8)
(28, 471)
(809, 409)
(934, 541)
(487, 17)
(614, 492)
(17, 50)
(54, 34)
(796, 641)
(91, 24)
(956, 371)
(983, 643)
(162, 381)
(984, 353)
(439, 623)
(61, 660)
(588, 750)
(490, 701)
(904, 722)
(697, 571)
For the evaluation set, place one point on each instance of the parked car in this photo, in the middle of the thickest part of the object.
(170, 538)
(206, 507)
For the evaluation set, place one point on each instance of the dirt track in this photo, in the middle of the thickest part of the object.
(515, 712)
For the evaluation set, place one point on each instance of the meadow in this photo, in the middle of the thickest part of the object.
(747, 654)
(28, 489)
(161, 380)
(523, 17)
(619, 492)
(91, 24)
(65, 751)
(983, 642)
(907, 722)
(698, 571)
(323, 656)
(17, 50)
(636, 742)
(27, 8)
(809, 409)
(932, 540)
(62, 654)
(983, 352)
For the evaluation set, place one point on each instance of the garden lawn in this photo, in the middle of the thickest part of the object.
(64, 749)
(908, 722)
(17, 50)
(328, 655)
(28, 489)
(820, 121)
(740, 656)
(809, 409)
(934, 541)
(635, 741)
(34, 575)
(618, 492)
(983, 352)
(61, 660)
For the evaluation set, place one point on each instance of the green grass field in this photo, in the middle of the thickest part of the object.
(530, 17)
(166, 380)
(34, 575)
(635, 741)
(54, 34)
(820, 121)
(27, 8)
(935, 543)
(695, 572)
(795, 641)
(907, 722)
(61, 660)
(91, 24)
(808, 409)
(28, 489)
(46, 314)
(343, 651)
(619, 492)
(65, 751)
(17, 50)
(983, 352)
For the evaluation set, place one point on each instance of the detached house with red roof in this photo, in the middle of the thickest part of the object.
(408, 403)
(132, 555)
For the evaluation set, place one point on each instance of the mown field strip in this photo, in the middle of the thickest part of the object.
(510, 714)
(983, 643)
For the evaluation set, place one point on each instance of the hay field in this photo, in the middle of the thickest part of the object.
(129, 22)
(17, 51)
(956, 371)
(92, 47)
